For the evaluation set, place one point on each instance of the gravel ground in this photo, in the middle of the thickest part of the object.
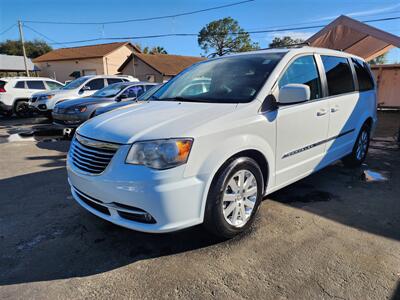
(333, 235)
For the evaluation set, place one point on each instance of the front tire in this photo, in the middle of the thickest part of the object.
(360, 148)
(234, 197)
(21, 109)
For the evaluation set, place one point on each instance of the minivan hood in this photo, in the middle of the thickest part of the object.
(152, 120)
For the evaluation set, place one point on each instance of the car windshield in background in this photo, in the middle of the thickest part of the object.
(74, 83)
(110, 91)
(146, 95)
(234, 79)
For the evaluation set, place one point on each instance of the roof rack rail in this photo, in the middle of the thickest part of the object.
(298, 45)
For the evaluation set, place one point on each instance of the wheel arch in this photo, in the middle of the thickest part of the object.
(258, 157)
(253, 153)
(16, 100)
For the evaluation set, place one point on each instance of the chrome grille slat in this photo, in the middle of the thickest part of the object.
(91, 156)
(92, 169)
(85, 149)
(90, 164)
(88, 156)
(85, 169)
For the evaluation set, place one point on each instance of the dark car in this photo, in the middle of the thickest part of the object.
(145, 96)
(72, 113)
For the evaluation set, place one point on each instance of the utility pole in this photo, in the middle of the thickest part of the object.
(21, 36)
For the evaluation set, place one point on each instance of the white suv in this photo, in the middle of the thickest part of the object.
(16, 91)
(267, 119)
(78, 88)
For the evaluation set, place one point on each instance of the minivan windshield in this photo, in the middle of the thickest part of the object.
(110, 91)
(231, 79)
(74, 84)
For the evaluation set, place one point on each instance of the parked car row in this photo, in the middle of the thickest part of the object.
(23, 95)
(82, 87)
(72, 113)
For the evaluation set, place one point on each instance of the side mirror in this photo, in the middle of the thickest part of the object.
(86, 88)
(122, 97)
(294, 93)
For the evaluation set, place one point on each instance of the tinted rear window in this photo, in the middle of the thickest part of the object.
(2, 83)
(114, 80)
(96, 84)
(338, 75)
(365, 81)
(36, 85)
(53, 85)
(20, 85)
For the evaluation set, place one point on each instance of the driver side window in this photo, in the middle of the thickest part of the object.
(134, 91)
(304, 71)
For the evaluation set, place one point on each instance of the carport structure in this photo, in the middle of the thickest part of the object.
(347, 34)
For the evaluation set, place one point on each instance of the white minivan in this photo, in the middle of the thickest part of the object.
(267, 119)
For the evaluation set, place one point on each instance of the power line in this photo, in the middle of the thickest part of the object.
(314, 22)
(195, 34)
(142, 19)
(72, 49)
(8, 29)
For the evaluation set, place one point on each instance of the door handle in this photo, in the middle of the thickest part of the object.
(321, 112)
(335, 109)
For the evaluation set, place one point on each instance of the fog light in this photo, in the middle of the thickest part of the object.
(148, 218)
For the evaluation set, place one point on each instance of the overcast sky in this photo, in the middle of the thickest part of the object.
(256, 15)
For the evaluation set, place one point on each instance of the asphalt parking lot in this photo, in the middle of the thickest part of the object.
(333, 235)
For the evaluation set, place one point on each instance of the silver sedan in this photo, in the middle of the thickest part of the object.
(72, 113)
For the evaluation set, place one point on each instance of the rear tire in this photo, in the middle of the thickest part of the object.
(360, 148)
(234, 197)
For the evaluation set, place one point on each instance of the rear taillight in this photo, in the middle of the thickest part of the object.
(2, 90)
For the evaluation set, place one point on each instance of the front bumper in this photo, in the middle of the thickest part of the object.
(40, 106)
(173, 201)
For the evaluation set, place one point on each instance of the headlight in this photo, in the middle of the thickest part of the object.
(46, 97)
(160, 154)
(77, 109)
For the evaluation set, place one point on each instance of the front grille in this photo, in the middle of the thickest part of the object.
(73, 123)
(59, 110)
(91, 156)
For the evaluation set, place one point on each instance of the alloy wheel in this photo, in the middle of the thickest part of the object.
(362, 145)
(239, 198)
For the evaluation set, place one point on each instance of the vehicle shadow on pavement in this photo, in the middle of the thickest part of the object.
(45, 235)
(350, 197)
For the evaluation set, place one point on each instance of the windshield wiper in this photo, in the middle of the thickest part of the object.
(183, 99)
